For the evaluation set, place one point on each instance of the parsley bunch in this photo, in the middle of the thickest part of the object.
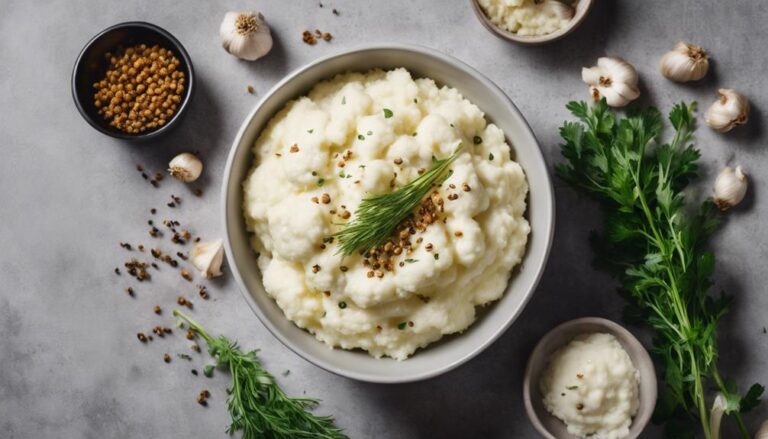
(653, 243)
(257, 405)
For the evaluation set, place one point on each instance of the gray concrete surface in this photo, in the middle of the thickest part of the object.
(70, 364)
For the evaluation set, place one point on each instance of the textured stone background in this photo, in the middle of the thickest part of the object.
(70, 364)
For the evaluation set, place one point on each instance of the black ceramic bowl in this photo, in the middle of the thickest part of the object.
(91, 66)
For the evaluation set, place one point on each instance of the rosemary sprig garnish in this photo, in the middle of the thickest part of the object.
(654, 244)
(257, 405)
(378, 215)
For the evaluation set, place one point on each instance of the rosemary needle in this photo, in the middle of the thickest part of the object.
(257, 405)
(378, 215)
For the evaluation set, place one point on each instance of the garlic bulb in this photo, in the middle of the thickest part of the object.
(207, 257)
(556, 9)
(686, 62)
(730, 187)
(613, 79)
(731, 110)
(185, 167)
(718, 408)
(762, 433)
(245, 35)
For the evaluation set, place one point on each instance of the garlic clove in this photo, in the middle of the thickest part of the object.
(185, 167)
(686, 62)
(245, 35)
(731, 110)
(207, 257)
(762, 433)
(716, 415)
(730, 187)
(613, 79)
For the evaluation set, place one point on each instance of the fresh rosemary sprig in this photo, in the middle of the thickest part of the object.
(377, 216)
(654, 245)
(257, 405)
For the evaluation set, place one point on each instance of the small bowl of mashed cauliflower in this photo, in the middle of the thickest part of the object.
(531, 22)
(451, 276)
(589, 378)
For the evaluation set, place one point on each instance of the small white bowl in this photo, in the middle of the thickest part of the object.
(548, 425)
(494, 319)
(582, 10)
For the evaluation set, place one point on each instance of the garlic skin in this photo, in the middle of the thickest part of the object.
(731, 110)
(762, 433)
(207, 257)
(613, 79)
(716, 415)
(686, 62)
(185, 167)
(730, 187)
(245, 35)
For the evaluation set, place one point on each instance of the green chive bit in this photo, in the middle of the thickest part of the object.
(401, 325)
(342, 305)
(387, 113)
(321, 182)
(360, 137)
(490, 156)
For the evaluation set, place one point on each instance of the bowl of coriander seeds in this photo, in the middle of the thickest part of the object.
(133, 81)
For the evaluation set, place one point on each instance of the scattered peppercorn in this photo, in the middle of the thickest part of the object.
(166, 358)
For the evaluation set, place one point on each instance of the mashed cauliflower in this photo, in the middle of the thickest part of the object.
(527, 17)
(370, 133)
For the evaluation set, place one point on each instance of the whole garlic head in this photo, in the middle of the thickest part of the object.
(613, 79)
(185, 167)
(762, 433)
(207, 257)
(245, 35)
(730, 187)
(686, 62)
(731, 110)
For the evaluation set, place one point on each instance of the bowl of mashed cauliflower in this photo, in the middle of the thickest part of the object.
(451, 276)
(531, 22)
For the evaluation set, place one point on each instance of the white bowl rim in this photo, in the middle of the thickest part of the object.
(286, 341)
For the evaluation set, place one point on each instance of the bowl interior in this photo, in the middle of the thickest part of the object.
(581, 10)
(91, 67)
(553, 428)
(439, 357)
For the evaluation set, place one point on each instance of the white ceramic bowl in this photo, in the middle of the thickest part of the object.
(580, 14)
(549, 426)
(494, 319)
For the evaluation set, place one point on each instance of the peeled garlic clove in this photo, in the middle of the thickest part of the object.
(185, 167)
(207, 257)
(245, 35)
(731, 110)
(716, 415)
(762, 433)
(613, 79)
(686, 62)
(556, 9)
(730, 187)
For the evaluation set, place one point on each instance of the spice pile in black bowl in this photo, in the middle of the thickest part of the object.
(133, 81)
